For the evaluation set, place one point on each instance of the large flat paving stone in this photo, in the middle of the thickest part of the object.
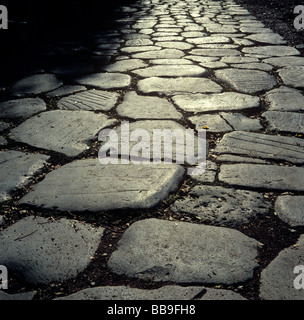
(270, 177)
(17, 169)
(44, 250)
(221, 206)
(290, 209)
(272, 51)
(105, 80)
(247, 81)
(169, 292)
(35, 84)
(284, 121)
(89, 100)
(171, 71)
(285, 61)
(162, 250)
(126, 65)
(178, 85)
(271, 38)
(278, 279)
(160, 54)
(293, 76)
(145, 107)
(86, 185)
(261, 145)
(21, 107)
(18, 296)
(220, 52)
(226, 101)
(64, 131)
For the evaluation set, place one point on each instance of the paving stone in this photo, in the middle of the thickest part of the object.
(160, 54)
(215, 52)
(21, 107)
(290, 209)
(270, 177)
(17, 169)
(285, 61)
(139, 49)
(3, 125)
(167, 38)
(170, 61)
(171, 71)
(138, 42)
(66, 90)
(3, 141)
(64, 131)
(293, 76)
(221, 294)
(192, 34)
(169, 292)
(43, 250)
(241, 60)
(284, 121)
(209, 174)
(86, 185)
(285, 99)
(89, 100)
(174, 45)
(143, 107)
(161, 250)
(226, 101)
(18, 296)
(211, 39)
(263, 146)
(233, 158)
(238, 79)
(271, 38)
(273, 51)
(178, 85)
(106, 80)
(221, 206)
(125, 65)
(278, 279)
(254, 66)
(35, 84)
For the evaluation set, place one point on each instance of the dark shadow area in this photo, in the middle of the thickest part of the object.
(47, 34)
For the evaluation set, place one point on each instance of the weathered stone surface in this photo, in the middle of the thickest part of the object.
(271, 38)
(3, 141)
(174, 45)
(170, 251)
(106, 80)
(86, 185)
(239, 159)
(89, 100)
(35, 84)
(213, 39)
(169, 292)
(66, 90)
(143, 107)
(140, 49)
(44, 250)
(171, 71)
(247, 81)
(63, 131)
(215, 52)
(178, 85)
(21, 107)
(226, 101)
(209, 174)
(17, 169)
(290, 209)
(125, 65)
(263, 176)
(160, 54)
(285, 61)
(3, 126)
(18, 296)
(262, 146)
(170, 61)
(138, 42)
(272, 51)
(221, 294)
(293, 76)
(278, 278)
(254, 66)
(284, 121)
(221, 206)
(285, 99)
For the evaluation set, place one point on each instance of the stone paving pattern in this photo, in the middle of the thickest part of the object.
(174, 64)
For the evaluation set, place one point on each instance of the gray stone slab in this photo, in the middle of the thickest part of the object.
(86, 185)
(211, 39)
(178, 85)
(239, 159)
(144, 107)
(17, 169)
(221, 294)
(125, 65)
(174, 45)
(239, 59)
(106, 80)
(293, 76)
(4, 126)
(3, 141)
(171, 71)
(215, 52)
(162, 250)
(139, 49)
(221, 206)
(285, 61)
(247, 81)
(138, 42)
(254, 66)
(209, 175)
(35, 84)
(284, 121)
(284, 99)
(43, 250)
(263, 146)
(290, 209)
(169, 292)
(272, 51)
(270, 177)
(278, 278)
(271, 38)
(66, 90)
(64, 131)
(18, 296)
(170, 61)
(226, 101)
(160, 54)
(21, 107)
(90, 100)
